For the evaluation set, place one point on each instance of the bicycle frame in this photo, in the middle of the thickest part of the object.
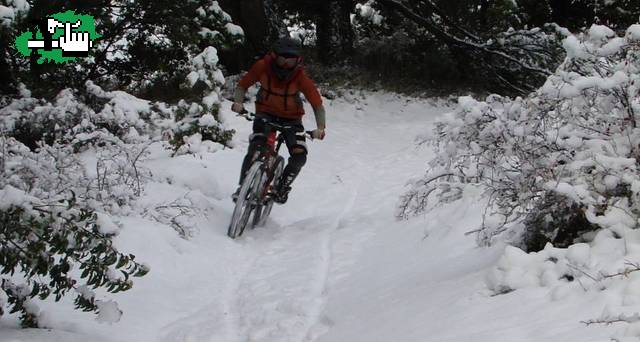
(255, 191)
(268, 156)
(274, 141)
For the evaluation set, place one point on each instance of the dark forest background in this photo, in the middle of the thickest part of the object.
(434, 45)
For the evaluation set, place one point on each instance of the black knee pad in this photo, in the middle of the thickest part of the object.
(256, 142)
(297, 160)
(257, 138)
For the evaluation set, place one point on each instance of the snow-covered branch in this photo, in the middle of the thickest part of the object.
(529, 54)
(558, 163)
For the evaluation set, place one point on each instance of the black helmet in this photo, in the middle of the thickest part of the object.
(287, 46)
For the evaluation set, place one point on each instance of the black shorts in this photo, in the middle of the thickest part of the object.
(293, 137)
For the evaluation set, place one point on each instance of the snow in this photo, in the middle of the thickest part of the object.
(577, 193)
(211, 99)
(218, 77)
(159, 39)
(121, 106)
(579, 254)
(209, 56)
(201, 12)
(205, 69)
(14, 8)
(612, 47)
(195, 145)
(215, 8)
(207, 120)
(10, 196)
(3, 298)
(106, 225)
(368, 12)
(6, 12)
(193, 77)
(85, 292)
(600, 32)
(206, 32)
(633, 32)
(333, 264)
(20, 5)
(234, 30)
(31, 307)
(108, 312)
(571, 44)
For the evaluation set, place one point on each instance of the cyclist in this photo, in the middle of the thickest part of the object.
(282, 79)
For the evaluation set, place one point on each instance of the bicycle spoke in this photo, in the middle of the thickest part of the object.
(245, 202)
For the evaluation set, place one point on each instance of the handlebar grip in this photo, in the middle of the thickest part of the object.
(310, 134)
(247, 115)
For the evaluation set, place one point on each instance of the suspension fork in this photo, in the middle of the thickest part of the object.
(274, 142)
(268, 156)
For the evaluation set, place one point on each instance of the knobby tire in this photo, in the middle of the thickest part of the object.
(246, 201)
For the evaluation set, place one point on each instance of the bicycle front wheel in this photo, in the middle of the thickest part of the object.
(246, 201)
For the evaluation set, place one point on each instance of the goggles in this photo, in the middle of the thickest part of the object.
(287, 61)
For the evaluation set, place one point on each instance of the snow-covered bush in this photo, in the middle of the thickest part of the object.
(12, 9)
(157, 51)
(197, 121)
(144, 48)
(77, 116)
(74, 137)
(55, 227)
(606, 268)
(557, 163)
(304, 31)
(366, 13)
(65, 167)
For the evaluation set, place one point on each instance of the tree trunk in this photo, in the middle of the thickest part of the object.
(261, 24)
(334, 31)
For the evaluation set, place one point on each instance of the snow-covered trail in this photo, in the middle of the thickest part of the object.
(332, 265)
(348, 181)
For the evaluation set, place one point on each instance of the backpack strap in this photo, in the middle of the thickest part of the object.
(269, 92)
(286, 95)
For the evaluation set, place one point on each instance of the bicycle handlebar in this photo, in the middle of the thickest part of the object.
(251, 116)
(247, 115)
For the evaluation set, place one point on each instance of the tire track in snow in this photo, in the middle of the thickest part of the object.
(283, 295)
(214, 319)
(316, 328)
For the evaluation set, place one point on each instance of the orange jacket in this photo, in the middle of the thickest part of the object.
(280, 98)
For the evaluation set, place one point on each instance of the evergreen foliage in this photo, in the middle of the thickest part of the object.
(55, 229)
(505, 46)
(201, 117)
(153, 74)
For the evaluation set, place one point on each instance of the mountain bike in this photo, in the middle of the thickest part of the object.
(255, 196)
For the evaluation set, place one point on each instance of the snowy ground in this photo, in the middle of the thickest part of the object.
(331, 265)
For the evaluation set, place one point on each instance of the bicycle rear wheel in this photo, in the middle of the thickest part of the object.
(261, 219)
(246, 202)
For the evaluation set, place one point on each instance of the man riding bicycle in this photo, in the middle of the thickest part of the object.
(282, 79)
